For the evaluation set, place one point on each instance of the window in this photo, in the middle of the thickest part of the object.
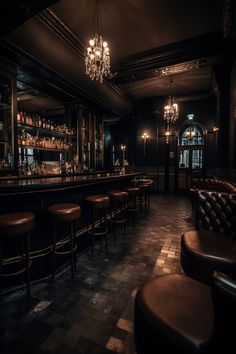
(191, 135)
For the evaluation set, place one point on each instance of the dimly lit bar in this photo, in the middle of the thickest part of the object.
(117, 176)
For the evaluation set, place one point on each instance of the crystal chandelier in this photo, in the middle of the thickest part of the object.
(171, 111)
(97, 59)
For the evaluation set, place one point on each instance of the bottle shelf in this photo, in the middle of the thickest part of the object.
(43, 130)
(41, 148)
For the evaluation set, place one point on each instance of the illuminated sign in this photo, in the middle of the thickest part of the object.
(190, 116)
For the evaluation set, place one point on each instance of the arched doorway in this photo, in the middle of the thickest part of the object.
(190, 154)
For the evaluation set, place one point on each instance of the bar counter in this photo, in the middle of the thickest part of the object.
(37, 194)
(47, 184)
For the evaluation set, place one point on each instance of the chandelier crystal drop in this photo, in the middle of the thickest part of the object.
(171, 111)
(97, 59)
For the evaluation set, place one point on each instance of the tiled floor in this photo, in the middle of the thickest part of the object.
(94, 314)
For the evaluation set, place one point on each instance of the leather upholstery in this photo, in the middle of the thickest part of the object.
(144, 187)
(213, 246)
(118, 196)
(64, 212)
(14, 224)
(209, 184)
(132, 191)
(216, 211)
(166, 301)
(98, 201)
(177, 314)
(211, 249)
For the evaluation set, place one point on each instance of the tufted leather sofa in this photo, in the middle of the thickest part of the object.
(175, 313)
(212, 245)
(209, 184)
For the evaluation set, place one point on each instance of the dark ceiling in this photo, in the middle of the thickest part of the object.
(182, 39)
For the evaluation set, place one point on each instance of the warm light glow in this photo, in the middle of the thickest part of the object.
(145, 136)
(215, 129)
(190, 133)
(97, 60)
(171, 111)
(123, 147)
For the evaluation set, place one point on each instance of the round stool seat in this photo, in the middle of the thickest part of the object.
(64, 212)
(98, 201)
(132, 191)
(17, 223)
(118, 196)
(144, 187)
(177, 309)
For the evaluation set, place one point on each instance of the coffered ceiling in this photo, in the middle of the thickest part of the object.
(150, 41)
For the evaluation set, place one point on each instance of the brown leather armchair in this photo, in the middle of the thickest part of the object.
(175, 313)
(212, 245)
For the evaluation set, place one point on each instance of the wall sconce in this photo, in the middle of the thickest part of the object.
(145, 136)
(216, 129)
(123, 148)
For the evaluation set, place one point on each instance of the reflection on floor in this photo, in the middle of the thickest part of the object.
(94, 313)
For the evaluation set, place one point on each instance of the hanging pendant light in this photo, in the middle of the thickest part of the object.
(171, 110)
(97, 58)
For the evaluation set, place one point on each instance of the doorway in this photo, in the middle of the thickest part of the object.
(190, 154)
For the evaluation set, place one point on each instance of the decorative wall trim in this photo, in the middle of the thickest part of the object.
(228, 18)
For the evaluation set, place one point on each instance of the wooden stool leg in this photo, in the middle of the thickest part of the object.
(27, 261)
(72, 261)
(74, 242)
(106, 241)
(92, 240)
(54, 231)
(1, 266)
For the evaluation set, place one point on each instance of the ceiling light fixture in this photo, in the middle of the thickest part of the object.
(171, 110)
(180, 68)
(97, 59)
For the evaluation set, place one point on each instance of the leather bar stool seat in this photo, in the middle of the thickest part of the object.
(97, 210)
(173, 313)
(64, 213)
(13, 226)
(132, 191)
(119, 201)
(98, 201)
(117, 196)
(203, 252)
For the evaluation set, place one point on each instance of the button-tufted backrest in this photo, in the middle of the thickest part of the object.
(216, 211)
(209, 184)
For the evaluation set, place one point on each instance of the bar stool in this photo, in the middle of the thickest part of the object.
(133, 193)
(17, 226)
(145, 189)
(119, 201)
(97, 204)
(64, 213)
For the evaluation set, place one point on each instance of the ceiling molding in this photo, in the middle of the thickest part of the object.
(34, 73)
(144, 64)
(15, 13)
(58, 27)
